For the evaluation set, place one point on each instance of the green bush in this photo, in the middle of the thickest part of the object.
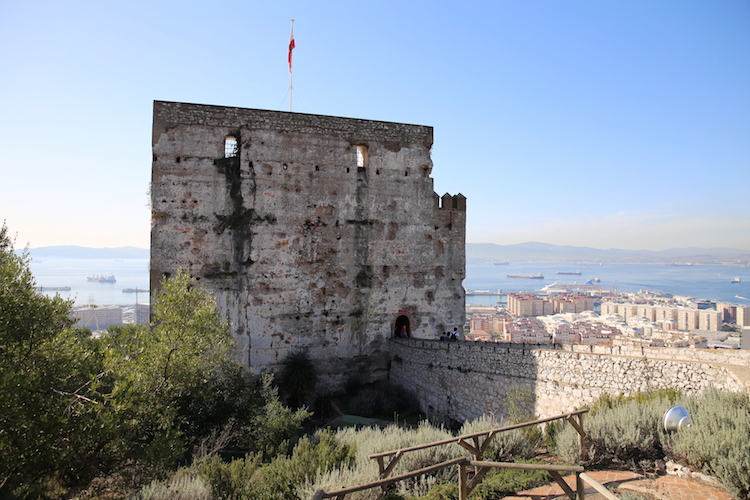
(719, 440)
(179, 487)
(298, 377)
(502, 482)
(625, 432)
(229, 481)
(505, 446)
(628, 430)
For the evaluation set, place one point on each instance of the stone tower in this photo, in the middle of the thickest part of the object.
(315, 233)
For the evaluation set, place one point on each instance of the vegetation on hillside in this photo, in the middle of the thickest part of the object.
(133, 403)
(163, 411)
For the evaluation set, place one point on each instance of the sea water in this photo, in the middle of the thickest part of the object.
(129, 273)
(713, 282)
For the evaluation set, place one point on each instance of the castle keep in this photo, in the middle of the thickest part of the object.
(315, 233)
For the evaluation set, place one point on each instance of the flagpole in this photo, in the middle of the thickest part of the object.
(291, 47)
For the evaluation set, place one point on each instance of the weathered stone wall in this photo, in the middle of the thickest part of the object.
(304, 248)
(462, 380)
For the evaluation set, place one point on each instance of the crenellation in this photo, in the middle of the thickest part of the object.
(477, 375)
(315, 232)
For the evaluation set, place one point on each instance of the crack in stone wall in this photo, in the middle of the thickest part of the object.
(304, 247)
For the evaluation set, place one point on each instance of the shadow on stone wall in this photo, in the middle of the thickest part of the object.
(459, 381)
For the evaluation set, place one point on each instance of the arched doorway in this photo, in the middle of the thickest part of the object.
(402, 326)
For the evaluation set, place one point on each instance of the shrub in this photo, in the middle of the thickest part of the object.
(505, 446)
(719, 440)
(370, 440)
(626, 431)
(298, 377)
(182, 486)
(230, 481)
(502, 482)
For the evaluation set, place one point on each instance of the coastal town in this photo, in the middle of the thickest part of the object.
(646, 319)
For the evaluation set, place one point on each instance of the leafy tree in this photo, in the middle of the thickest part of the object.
(48, 384)
(158, 367)
(73, 407)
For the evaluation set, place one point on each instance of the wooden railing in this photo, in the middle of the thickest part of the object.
(472, 443)
(466, 484)
(477, 443)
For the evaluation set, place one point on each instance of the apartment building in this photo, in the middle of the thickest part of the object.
(529, 304)
(97, 318)
(526, 330)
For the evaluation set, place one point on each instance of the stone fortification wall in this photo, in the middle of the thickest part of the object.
(316, 233)
(462, 380)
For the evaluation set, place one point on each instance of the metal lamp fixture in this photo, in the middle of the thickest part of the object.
(676, 418)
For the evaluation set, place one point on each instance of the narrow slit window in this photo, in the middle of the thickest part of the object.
(230, 146)
(361, 156)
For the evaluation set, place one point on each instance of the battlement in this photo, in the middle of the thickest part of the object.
(562, 378)
(315, 232)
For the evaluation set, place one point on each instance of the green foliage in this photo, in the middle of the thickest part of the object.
(370, 440)
(49, 386)
(607, 402)
(520, 404)
(270, 429)
(181, 486)
(626, 431)
(719, 440)
(157, 369)
(298, 377)
(505, 446)
(249, 478)
(441, 492)
(229, 481)
(502, 482)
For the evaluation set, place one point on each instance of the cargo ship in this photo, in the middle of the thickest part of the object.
(574, 273)
(539, 276)
(102, 279)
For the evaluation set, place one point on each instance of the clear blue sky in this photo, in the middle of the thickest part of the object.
(611, 124)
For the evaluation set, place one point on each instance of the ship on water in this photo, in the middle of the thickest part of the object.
(102, 278)
(53, 288)
(574, 273)
(539, 276)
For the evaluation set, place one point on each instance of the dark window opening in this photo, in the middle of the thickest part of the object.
(402, 328)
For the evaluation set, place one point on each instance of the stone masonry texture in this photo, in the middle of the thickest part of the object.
(458, 381)
(315, 233)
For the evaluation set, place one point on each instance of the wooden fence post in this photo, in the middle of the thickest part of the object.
(463, 482)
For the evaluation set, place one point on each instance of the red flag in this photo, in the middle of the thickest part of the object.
(291, 47)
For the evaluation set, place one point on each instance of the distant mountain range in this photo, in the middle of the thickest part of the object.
(76, 252)
(544, 252)
(477, 252)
